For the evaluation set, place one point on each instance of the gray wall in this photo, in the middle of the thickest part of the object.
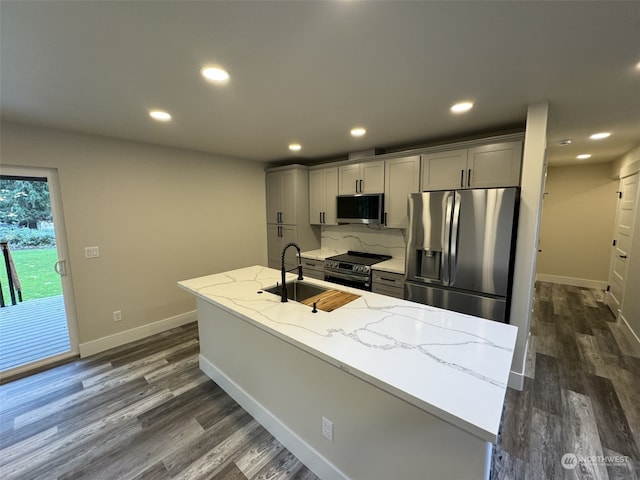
(158, 215)
(578, 215)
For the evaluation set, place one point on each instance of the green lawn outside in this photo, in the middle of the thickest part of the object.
(36, 274)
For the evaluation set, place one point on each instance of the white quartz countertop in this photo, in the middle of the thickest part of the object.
(394, 265)
(451, 365)
(321, 253)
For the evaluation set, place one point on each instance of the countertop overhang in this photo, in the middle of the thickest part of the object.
(451, 365)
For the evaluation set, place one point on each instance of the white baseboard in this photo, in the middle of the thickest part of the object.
(631, 334)
(296, 445)
(516, 380)
(575, 282)
(105, 343)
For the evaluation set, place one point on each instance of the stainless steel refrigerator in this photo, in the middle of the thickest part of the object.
(461, 249)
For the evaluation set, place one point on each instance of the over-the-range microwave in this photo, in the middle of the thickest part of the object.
(361, 208)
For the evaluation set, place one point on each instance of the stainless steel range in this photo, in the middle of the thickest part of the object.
(352, 269)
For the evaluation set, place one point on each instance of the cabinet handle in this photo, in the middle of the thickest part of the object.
(361, 188)
(324, 217)
(622, 256)
(386, 215)
(388, 279)
(462, 178)
(469, 178)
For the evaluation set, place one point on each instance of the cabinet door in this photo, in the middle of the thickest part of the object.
(330, 216)
(372, 175)
(316, 196)
(289, 234)
(277, 237)
(274, 197)
(348, 179)
(496, 165)
(288, 205)
(401, 178)
(444, 170)
(274, 245)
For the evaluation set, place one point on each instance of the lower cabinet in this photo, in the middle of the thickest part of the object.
(313, 268)
(387, 283)
(277, 237)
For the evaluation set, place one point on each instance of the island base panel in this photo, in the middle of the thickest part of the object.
(288, 390)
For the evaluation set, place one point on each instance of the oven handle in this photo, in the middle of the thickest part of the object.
(345, 276)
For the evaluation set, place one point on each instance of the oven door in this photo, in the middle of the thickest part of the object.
(363, 282)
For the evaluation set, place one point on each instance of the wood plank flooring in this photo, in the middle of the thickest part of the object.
(141, 411)
(581, 395)
(145, 411)
(32, 330)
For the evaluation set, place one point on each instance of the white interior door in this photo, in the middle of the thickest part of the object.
(621, 242)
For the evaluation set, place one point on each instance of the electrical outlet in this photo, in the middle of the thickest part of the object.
(117, 315)
(327, 428)
(91, 252)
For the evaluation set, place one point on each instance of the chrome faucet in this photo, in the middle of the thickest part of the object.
(284, 284)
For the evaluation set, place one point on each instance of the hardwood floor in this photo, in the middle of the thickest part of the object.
(145, 411)
(581, 395)
(141, 411)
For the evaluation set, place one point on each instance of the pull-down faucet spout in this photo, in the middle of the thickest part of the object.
(284, 284)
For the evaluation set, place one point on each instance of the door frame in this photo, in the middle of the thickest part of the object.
(615, 248)
(51, 174)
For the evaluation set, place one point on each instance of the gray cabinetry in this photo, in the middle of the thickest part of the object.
(401, 177)
(323, 189)
(387, 283)
(485, 166)
(366, 177)
(287, 191)
(313, 268)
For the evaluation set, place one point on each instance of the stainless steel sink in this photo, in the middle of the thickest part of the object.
(298, 290)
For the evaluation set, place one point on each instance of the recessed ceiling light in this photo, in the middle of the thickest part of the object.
(462, 107)
(215, 74)
(160, 115)
(638, 66)
(583, 156)
(566, 141)
(600, 136)
(295, 147)
(358, 132)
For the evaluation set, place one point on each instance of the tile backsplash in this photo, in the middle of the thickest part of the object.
(364, 238)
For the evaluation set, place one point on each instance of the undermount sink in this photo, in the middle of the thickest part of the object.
(298, 290)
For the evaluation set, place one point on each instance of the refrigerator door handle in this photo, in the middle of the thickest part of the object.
(453, 248)
(445, 260)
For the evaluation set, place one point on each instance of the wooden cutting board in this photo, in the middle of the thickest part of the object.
(330, 300)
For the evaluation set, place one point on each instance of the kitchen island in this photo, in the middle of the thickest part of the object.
(403, 390)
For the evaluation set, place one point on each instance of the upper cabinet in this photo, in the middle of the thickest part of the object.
(288, 213)
(323, 189)
(486, 166)
(366, 177)
(444, 170)
(401, 178)
(496, 165)
(281, 197)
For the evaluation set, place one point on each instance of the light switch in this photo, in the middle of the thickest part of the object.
(91, 252)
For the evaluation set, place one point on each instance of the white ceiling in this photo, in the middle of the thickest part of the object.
(309, 71)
